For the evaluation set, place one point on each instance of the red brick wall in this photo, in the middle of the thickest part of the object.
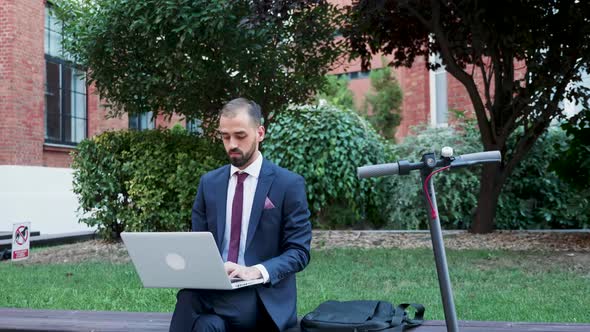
(97, 123)
(414, 83)
(22, 91)
(359, 88)
(343, 66)
(97, 113)
(458, 98)
(22, 67)
(57, 156)
(61, 156)
(21, 82)
(163, 122)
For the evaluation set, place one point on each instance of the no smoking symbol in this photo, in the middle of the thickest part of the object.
(21, 235)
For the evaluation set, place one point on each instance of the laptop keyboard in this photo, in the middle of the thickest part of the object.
(236, 282)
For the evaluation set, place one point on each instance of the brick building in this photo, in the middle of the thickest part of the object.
(427, 95)
(46, 107)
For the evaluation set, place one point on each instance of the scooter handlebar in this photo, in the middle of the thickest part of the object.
(459, 161)
(377, 170)
(477, 158)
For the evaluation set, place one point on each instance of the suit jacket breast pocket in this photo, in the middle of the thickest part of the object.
(270, 219)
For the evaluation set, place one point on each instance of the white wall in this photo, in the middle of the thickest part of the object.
(41, 195)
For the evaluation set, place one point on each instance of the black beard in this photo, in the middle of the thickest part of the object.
(238, 162)
(241, 160)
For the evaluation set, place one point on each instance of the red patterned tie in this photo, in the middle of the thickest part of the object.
(236, 219)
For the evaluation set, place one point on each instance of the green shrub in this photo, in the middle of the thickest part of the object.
(336, 92)
(456, 191)
(326, 144)
(146, 181)
(573, 165)
(141, 181)
(385, 100)
(532, 198)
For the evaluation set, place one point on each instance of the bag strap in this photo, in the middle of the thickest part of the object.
(400, 321)
(418, 316)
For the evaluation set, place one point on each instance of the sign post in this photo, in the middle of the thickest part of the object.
(21, 241)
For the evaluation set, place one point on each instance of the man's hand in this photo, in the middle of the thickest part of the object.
(243, 272)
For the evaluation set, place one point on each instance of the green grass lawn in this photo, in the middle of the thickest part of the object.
(488, 285)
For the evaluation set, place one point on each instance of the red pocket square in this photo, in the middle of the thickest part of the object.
(268, 204)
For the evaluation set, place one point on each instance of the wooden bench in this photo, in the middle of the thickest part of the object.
(77, 320)
(21, 320)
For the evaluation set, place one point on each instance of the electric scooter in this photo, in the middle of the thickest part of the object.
(428, 166)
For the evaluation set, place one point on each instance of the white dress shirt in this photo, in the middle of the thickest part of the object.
(250, 185)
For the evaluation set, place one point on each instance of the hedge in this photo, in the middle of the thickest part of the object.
(141, 180)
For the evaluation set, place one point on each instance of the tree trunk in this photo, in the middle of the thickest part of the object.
(492, 179)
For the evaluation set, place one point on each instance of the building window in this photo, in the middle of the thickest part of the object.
(142, 121)
(355, 75)
(66, 120)
(439, 108)
(194, 126)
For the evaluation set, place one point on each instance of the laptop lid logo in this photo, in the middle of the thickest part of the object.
(175, 262)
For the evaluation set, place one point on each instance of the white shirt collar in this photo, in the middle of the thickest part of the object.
(252, 170)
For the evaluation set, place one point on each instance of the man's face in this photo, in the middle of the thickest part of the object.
(241, 138)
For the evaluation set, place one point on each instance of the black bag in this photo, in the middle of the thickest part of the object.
(361, 316)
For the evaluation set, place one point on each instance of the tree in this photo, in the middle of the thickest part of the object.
(336, 92)
(191, 56)
(573, 164)
(488, 42)
(385, 101)
(326, 144)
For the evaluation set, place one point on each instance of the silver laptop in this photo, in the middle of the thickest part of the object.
(180, 260)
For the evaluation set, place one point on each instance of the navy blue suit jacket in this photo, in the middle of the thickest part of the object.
(278, 238)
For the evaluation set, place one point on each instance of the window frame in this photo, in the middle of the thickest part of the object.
(63, 64)
(355, 75)
(151, 121)
(434, 87)
(194, 126)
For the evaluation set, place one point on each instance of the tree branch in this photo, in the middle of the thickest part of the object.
(454, 69)
(540, 124)
(416, 14)
(486, 81)
(507, 80)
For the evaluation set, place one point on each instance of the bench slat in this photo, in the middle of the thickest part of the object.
(63, 320)
(21, 320)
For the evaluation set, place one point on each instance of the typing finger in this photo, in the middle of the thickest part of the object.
(230, 267)
(235, 273)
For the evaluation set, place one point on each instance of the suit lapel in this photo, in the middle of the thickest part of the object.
(221, 184)
(264, 182)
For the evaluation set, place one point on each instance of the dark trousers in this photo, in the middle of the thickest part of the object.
(220, 310)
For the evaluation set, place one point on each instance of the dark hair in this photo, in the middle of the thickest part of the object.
(233, 106)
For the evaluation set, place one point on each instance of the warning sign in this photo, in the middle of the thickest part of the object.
(21, 241)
